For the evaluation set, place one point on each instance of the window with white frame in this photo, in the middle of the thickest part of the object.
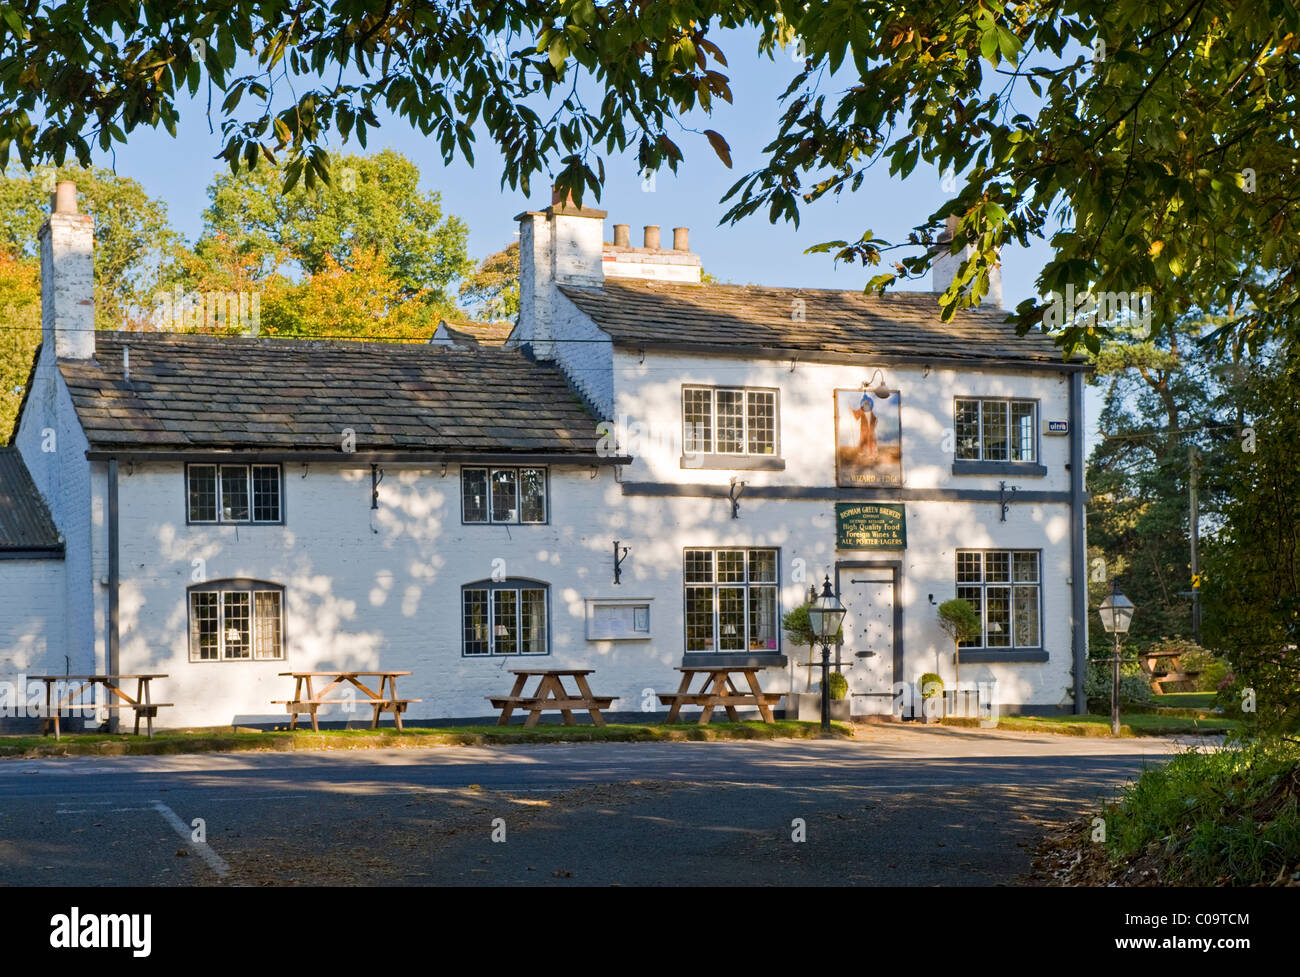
(995, 430)
(731, 600)
(505, 618)
(728, 421)
(232, 620)
(1004, 587)
(233, 493)
(503, 495)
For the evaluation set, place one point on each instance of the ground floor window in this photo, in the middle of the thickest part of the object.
(1004, 588)
(505, 618)
(731, 600)
(236, 620)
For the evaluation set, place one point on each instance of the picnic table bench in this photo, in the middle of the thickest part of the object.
(719, 690)
(551, 695)
(143, 704)
(385, 700)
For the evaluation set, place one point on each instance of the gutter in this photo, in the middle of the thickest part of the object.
(361, 458)
(1078, 545)
(779, 353)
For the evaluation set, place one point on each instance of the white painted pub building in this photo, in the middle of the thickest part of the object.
(225, 510)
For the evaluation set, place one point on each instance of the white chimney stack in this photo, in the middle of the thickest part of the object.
(68, 278)
(559, 245)
(944, 268)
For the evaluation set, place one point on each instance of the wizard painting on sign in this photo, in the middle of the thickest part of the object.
(868, 438)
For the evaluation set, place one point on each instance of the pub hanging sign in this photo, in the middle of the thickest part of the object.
(870, 526)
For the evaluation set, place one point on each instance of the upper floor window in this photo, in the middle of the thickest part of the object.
(996, 430)
(233, 493)
(508, 617)
(236, 620)
(1003, 586)
(498, 494)
(731, 600)
(728, 421)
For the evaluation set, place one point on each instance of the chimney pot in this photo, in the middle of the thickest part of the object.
(65, 197)
(652, 236)
(681, 239)
(622, 235)
(561, 200)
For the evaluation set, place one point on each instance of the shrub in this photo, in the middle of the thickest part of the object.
(931, 685)
(795, 624)
(838, 686)
(1134, 688)
(1212, 676)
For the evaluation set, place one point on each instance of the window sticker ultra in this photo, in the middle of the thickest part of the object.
(868, 438)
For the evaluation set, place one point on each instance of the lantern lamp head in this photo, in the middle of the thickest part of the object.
(1116, 611)
(826, 613)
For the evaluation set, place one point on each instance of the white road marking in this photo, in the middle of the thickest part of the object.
(215, 861)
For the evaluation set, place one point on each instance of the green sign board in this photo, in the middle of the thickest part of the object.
(870, 526)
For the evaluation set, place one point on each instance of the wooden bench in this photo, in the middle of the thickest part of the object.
(551, 695)
(145, 708)
(719, 690)
(385, 700)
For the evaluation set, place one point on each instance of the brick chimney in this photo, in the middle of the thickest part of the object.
(944, 268)
(67, 278)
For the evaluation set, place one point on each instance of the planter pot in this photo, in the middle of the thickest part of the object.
(932, 709)
(806, 707)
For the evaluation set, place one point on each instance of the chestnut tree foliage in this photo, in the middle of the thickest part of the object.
(1151, 142)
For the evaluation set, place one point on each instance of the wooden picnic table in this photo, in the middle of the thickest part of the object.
(551, 695)
(719, 690)
(385, 700)
(143, 704)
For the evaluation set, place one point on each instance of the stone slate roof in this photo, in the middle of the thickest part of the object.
(483, 333)
(748, 319)
(25, 523)
(196, 392)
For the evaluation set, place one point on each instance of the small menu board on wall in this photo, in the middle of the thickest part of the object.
(870, 526)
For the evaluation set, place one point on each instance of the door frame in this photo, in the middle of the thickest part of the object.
(896, 568)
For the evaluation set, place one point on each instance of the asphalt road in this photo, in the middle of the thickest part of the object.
(898, 806)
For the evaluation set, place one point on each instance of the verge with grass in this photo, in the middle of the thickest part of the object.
(1133, 724)
(218, 741)
(1219, 817)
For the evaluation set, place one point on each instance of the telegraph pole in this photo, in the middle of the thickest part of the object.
(1194, 523)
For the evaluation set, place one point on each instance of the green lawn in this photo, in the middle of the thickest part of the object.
(223, 740)
(1185, 700)
(1131, 724)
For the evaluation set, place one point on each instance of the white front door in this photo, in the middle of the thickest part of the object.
(868, 594)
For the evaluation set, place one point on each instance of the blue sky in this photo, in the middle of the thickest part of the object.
(754, 251)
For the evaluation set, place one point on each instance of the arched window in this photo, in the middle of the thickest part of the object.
(506, 617)
(236, 620)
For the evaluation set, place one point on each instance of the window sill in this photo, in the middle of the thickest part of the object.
(749, 463)
(1025, 468)
(697, 659)
(978, 656)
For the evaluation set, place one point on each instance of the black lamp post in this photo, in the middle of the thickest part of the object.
(1116, 613)
(825, 617)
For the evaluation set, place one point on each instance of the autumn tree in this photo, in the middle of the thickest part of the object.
(20, 332)
(373, 204)
(132, 234)
(1150, 144)
(364, 301)
(493, 288)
